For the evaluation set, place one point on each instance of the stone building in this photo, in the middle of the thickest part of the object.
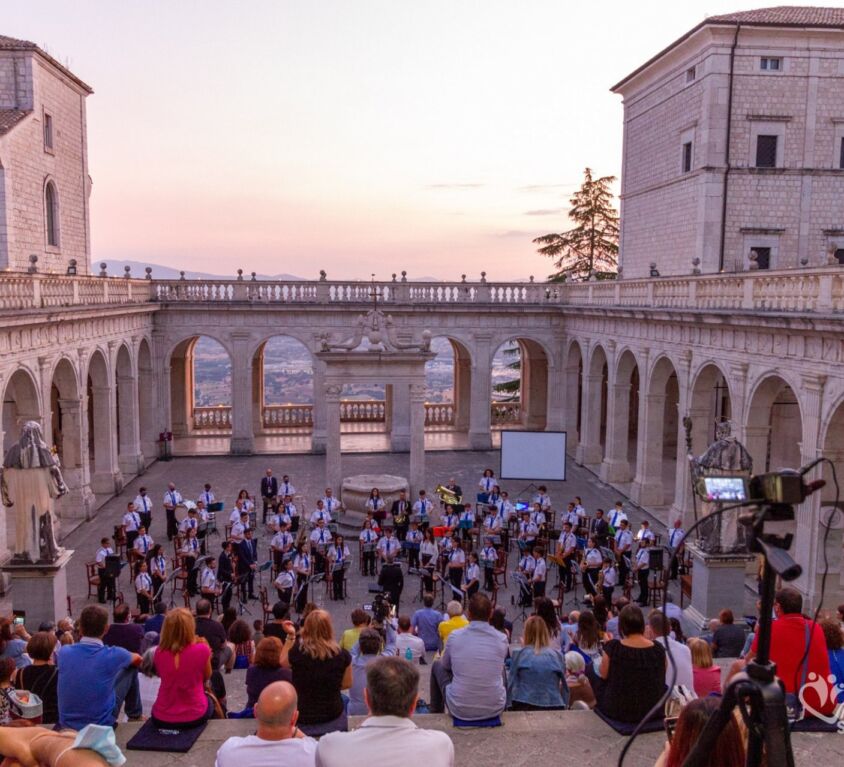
(616, 364)
(44, 182)
(734, 146)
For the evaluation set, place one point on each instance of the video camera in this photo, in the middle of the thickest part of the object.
(380, 607)
(784, 487)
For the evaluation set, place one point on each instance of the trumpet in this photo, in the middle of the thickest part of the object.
(447, 497)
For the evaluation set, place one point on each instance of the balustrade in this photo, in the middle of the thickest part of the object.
(506, 413)
(288, 416)
(217, 418)
(439, 414)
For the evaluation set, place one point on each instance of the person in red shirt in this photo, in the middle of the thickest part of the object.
(789, 634)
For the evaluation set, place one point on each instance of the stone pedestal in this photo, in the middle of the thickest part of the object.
(356, 493)
(40, 589)
(717, 583)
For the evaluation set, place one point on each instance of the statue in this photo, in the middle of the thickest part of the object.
(726, 456)
(30, 479)
(379, 331)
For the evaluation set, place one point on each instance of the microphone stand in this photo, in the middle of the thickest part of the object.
(170, 578)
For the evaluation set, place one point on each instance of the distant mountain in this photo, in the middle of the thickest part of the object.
(115, 269)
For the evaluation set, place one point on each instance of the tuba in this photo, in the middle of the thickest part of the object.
(447, 497)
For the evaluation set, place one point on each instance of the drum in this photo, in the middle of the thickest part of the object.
(181, 510)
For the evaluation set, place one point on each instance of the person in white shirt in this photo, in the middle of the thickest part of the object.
(369, 540)
(302, 566)
(592, 561)
(105, 588)
(567, 547)
(280, 521)
(407, 640)
(190, 522)
(208, 586)
(537, 516)
(281, 545)
(423, 508)
(489, 559)
(450, 519)
(456, 565)
(623, 550)
(239, 528)
(642, 567)
(285, 487)
(659, 630)
(202, 511)
(143, 543)
(617, 515)
(540, 570)
(645, 532)
(388, 546)
(172, 498)
(320, 513)
(609, 579)
(675, 542)
(292, 512)
(320, 538)
(492, 522)
(388, 736)
(143, 505)
(505, 507)
(472, 576)
(278, 741)
(375, 504)
(237, 511)
(527, 532)
(526, 567)
(413, 542)
(190, 551)
(131, 523)
(571, 516)
(285, 582)
(578, 507)
(143, 589)
(338, 556)
(542, 497)
(485, 485)
(206, 496)
(332, 505)
(158, 567)
(248, 503)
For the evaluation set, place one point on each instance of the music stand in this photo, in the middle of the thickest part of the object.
(525, 592)
(170, 578)
(315, 578)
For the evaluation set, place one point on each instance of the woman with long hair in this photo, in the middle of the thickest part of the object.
(321, 668)
(728, 750)
(183, 663)
(375, 504)
(536, 680)
(706, 674)
(240, 635)
(248, 505)
(588, 638)
(544, 608)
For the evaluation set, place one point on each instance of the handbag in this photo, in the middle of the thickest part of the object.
(24, 705)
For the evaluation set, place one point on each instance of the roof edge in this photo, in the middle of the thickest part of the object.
(63, 69)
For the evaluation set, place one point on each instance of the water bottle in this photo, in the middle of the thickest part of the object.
(408, 654)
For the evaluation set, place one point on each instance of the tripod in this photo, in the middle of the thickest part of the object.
(755, 691)
(525, 596)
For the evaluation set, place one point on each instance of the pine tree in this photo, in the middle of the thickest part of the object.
(592, 246)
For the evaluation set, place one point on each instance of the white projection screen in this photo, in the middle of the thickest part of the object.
(533, 455)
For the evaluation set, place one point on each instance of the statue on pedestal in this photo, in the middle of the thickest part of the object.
(726, 456)
(30, 479)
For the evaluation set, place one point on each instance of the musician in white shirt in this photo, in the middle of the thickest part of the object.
(492, 522)
(623, 548)
(540, 571)
(375, 504)
(338, 556)
(131, 523)
(571, 516)
(292, 512)
(239, 528)
(190, 522)
(567, 546)
(456, 564)
(542, 498)
(537, 516)
(413, 542)
(105, 588)
(388, 546)
(489, 559)
(143, 543)
(320, 513)
(472, 577)
(505, 507)
(423, 508)
(485, 485)
(238, 509)
(281, 545)
(302, 566)
(450, 519)
(286, 513)
(158, 566)
(616, 516)
(320, 538)
(332, 505)
(467, 522)
(609, 579)
(208, 580)
(285, 582)
(206, 496)
(578, 508)
(675, 542)
(593, 559)
(642, 568)
(143, 589)
(248, 503)
(286, 488)
(143, 505)
(645, 532)
(527, 564)
(201, 511)
(369, 540)
(172, 498)
(527, 531)
(190, 551)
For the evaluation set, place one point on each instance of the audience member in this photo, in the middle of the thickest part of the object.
(426, 622)
(589, 639)
(580, 689)
(41, 677)
(360, 620)
(321, 668)
(469, 676)
(630, 663)
(679, 656)
(407, 641)
(728, 750)
(368, 649)
(13, 641)
(569, 630)
(728, 638)
(122, 633)
(709, 635)
(94, 679)
(157, 620)
(265, 669)
(240, 636)
(278, 741)
(499, 622)
(536, 679)
(834, 641)
(706, 674)
(183, 663)
(388, 736)
(7, 670)
(544, 608)
(456, 620)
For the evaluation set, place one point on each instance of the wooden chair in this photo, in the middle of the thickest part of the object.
(499, 572)
(120, 541)
(91, 572)
(180, 582)
(656, 588)
(186, 597)
(265, 604)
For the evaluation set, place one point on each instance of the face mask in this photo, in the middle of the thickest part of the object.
(100, 739)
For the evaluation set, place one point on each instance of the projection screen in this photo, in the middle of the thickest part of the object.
(533, 455)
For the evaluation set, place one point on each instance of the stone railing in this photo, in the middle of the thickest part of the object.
(506, 413)
(44, 291)
(363, 411)
(439, 414)
(216, 418)
(288, 416)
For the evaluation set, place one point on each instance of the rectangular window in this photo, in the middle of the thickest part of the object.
(839, 255)
(48, 131)
(770, 64)
(841, 154)
(687, 157)
(762, 257)
(766, 151)
(690, 74)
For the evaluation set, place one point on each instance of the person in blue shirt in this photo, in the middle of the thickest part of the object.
(156, 621)
(537, 676)
(93, 679)
(425, 623)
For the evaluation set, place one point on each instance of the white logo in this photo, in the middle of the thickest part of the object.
(826, 690)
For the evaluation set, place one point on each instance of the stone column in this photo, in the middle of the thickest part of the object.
(79, 502)
(589, 450)
(106, 478)
(318, 438)
(242, 439)
(416, 403)
(462, 390)
(401, 436)
(646, 489)
(481, 405)
(46, 384)
(333, 460)
(616, 466)
(682, 503)
(258, 391)
(572, 375)
(129, 455)
(556, 420)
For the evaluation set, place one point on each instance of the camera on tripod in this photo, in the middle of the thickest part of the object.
(380, 607)
(784, 487)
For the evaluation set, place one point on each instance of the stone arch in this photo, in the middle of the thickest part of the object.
(451, 411)
(289, 406)
(593, 418)
(65, 413)
(774, 424)
(211, 411)
(832, 447)
(102, 425)
(619, 464)
(529, 408)
(21, 402)
(146, 407)
(710, 402)
(574, 393)
(126, 404)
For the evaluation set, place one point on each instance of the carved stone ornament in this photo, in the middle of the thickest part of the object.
(378, 329)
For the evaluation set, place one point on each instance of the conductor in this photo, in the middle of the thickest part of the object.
(391, 579)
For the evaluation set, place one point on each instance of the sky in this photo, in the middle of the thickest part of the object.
(356, 136)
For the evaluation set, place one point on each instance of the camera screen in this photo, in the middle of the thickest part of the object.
(725, 488)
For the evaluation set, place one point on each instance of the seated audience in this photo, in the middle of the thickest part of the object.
(265, 669)
(544, 608)
(834, 640)
(706, 675)
(536, 679)
(589, 639)
(183, 663)
(93, 678)
(7, 670)
(278, 741)
(499, 622)
(388, 736)
(569, 630)
(13, 641)
(122, 633)
(456, 620)
(157, 620)
(240, 636)
(38, 745)
(321, 668)
(275, 628)
(728, 638)
(368, 650)
(408, 641)
(469, 677)
(630, 663)
(580, 689)
(678, 669)
(360, 620)
(42, 676)
(728, 750)
(426, 622)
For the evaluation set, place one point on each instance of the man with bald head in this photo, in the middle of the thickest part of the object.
(278, 740)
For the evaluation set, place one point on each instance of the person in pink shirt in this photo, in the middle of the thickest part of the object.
(706, 674)
(183, 662)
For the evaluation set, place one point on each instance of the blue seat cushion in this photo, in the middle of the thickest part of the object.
(493, 721)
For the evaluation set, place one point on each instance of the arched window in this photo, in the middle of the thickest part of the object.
(51, 208)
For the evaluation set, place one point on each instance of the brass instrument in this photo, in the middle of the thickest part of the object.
(447, 497)
(556, 559)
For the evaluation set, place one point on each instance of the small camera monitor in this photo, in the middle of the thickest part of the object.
(725, 489)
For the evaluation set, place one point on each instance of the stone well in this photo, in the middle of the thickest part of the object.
(356, 489)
